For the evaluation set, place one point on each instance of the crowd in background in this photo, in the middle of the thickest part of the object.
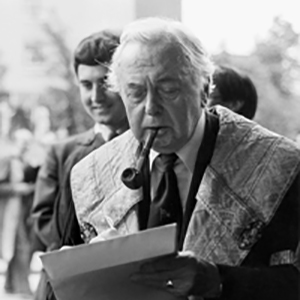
(23, 151)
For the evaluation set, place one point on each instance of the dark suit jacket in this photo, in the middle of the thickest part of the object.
(54, 218)
(53, 196)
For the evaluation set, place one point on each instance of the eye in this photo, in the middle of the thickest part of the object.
(103, 85)
(139, 92)
(86, 84)
(103, 82)
(136, 92)
(169, 91)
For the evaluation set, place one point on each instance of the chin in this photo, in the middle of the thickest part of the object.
(102, 120)
(161, 147)
(163, 150)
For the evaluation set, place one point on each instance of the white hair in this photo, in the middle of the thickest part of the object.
(154, 29)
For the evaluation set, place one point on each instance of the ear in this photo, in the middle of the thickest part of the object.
(204, 98)
(235, 106)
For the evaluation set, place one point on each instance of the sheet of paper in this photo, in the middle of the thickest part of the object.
(102, 270)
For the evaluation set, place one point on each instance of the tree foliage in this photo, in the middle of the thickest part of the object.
(64, 100)
(52, 51)
(274, 67)
(280, 52)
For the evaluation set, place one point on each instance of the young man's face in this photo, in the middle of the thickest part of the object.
(103, 106)
(159, 92)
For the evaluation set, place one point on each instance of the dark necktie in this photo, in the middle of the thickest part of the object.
(166, 206)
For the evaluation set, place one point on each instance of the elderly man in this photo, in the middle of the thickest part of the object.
(231, 186)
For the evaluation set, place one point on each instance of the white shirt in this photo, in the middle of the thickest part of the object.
(185, 164)
(106, 131)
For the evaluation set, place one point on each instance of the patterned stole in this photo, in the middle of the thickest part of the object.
(204, 156)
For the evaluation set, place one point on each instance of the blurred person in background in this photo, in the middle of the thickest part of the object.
(40, 118)
(53, 212)
(232, 186)
(24, 161)
(234, 90)
(297, 139)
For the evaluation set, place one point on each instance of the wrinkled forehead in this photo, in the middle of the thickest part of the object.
(156, 54)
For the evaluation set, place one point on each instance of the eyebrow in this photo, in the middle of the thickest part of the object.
(134, 85)
(84, 80)
(168, 79)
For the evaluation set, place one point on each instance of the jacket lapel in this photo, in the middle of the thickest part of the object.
(87, 142)
(90, 138)
(120, 202)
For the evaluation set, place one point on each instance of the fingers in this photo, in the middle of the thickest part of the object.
(157, 280)
(65, 247)
(167, 281)
(173, 273)
(105, 235)
(170, 262)
(160, 264)
(96, 239)
(181, 275)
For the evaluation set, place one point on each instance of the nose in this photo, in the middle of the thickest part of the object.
(98, 94)
(153, 105)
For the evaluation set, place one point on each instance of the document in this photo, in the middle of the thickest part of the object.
(101, 270)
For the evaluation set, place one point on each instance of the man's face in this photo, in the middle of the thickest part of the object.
(158, 92)
(103, 106)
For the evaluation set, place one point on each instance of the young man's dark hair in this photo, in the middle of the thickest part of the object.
(53, 212)
(234, 90)
(96, 48)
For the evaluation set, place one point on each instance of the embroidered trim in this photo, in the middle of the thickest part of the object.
(283, 257)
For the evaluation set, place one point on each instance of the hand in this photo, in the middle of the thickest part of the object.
(106, 235)
(182, 275)
(65, 247)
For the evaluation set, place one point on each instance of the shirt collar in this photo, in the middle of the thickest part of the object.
(105, 131)
(188, 153)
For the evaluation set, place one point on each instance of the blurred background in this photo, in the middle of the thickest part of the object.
(39, 100)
